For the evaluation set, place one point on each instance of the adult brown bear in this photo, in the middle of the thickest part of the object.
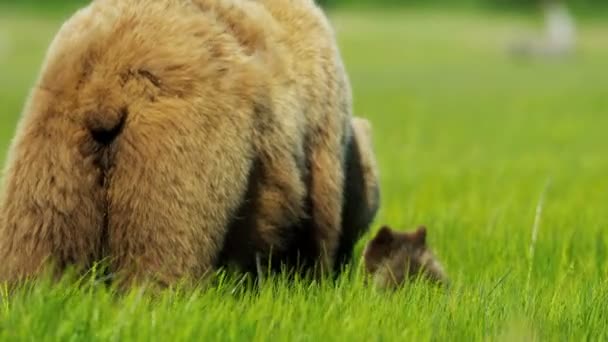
(150, 121)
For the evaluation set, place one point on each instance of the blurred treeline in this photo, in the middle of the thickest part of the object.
(468, 3)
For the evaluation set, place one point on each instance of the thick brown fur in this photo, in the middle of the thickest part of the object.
(392, 258)
(360, 205)
(361, 190)
(148, 123)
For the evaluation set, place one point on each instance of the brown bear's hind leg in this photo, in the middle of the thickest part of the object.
(172, 195)
(52, 204)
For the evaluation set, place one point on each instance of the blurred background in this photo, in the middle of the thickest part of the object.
(476, 106)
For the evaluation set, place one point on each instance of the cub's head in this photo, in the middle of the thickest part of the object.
(392, 258)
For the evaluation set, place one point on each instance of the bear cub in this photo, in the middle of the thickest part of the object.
(392, 258)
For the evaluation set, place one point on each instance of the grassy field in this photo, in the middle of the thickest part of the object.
(482, 149)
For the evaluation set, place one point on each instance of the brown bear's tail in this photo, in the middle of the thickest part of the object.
(106, 125)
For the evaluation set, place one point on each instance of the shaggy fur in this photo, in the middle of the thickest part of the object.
(151, 122)
(360, 205)
(392, 258)
(361, 191)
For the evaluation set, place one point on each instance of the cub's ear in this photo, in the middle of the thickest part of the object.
(384, 236)
(419, 236)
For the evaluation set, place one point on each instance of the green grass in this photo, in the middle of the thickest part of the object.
(471, 143)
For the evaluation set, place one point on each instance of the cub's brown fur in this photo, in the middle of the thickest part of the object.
(392, 258)
(151, 120)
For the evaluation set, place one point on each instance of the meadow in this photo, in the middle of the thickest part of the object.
(505, 161)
